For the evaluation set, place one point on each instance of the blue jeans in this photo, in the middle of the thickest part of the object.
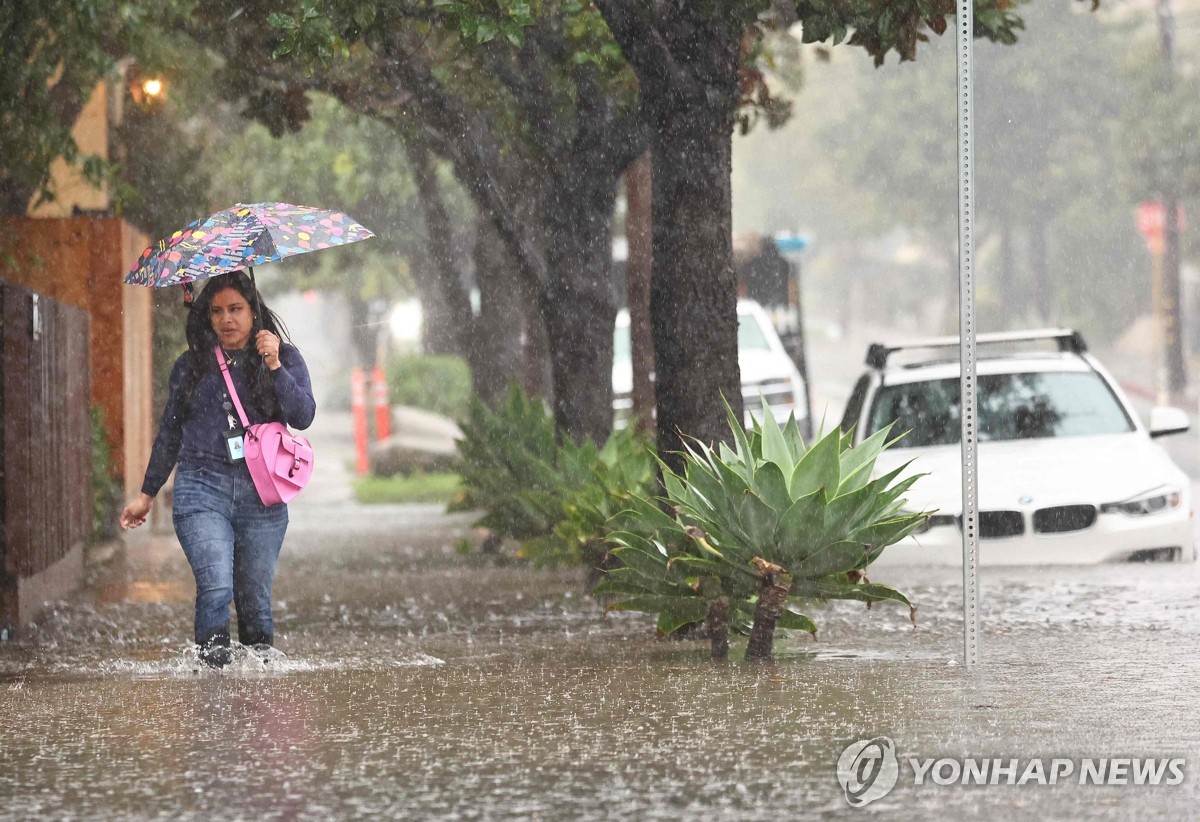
(232, 542)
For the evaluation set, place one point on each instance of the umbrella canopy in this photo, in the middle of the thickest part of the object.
(242, 237)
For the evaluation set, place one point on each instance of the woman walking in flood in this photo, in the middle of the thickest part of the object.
(231, 539)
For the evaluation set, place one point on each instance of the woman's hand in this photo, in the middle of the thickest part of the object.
(135, 512)
(268, 348)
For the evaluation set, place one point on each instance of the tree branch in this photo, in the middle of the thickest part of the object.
(636, 30)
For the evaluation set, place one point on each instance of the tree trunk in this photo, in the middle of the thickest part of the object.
(439, 333)
(1172, 299)
(448, 316)
(638, 270)
(717, 623)
(363, 333)
(578, 306)
(693, 293)
(1009, 289)
(494, 351)
(771, 599)
(686, 57)
(536, 372)
(1039, 268)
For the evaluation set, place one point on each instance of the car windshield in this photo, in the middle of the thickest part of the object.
(1011, 407)
(750, 337)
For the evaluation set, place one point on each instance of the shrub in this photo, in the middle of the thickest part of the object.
(441, 384)
(615, 476)
(757, 527)
(555, 498)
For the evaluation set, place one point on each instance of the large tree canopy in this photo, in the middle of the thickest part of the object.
(539, 120)
(691, 60)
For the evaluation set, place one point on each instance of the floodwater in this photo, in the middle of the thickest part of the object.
(415, 683)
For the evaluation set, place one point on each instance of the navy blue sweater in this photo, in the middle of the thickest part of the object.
(199, 440)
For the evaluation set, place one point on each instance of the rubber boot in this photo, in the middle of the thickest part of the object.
(214, 650)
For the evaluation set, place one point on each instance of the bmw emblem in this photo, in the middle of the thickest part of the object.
(1025, 500)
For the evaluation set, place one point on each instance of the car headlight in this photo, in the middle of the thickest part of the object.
(1151, 502)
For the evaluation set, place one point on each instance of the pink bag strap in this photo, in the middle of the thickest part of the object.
(229, 384)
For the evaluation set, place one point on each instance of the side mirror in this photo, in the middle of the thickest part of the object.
(1166, 420)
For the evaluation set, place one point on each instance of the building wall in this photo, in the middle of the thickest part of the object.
(70, 189)
(82, 261)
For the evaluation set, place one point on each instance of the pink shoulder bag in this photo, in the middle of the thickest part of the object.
(280, 462)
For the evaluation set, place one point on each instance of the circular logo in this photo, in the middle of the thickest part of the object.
(867, 770)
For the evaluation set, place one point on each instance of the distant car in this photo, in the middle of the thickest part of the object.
(767, 368)
(1067, 473)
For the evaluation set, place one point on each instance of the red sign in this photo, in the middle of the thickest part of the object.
(1151, 222)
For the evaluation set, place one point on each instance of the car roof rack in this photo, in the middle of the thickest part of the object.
(1068, 341)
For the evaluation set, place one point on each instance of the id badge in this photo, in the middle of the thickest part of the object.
(235, 447)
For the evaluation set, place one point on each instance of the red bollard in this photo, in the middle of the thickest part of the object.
(383, 413)
(358, 409)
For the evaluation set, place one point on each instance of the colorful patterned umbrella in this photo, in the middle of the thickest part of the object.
(242, 237)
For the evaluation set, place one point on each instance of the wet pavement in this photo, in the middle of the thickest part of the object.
(414, 682)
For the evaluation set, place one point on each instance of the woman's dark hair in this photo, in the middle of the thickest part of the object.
(201, 338)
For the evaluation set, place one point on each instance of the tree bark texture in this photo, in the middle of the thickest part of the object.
(771, 599)
(449, 323)
(638, 271)
(693, 292)
(686, 57)
(579, 307)
(494, 350)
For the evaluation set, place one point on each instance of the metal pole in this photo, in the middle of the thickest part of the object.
(1170, 293)
(966, 329)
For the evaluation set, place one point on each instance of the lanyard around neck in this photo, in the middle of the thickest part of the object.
(237, 403)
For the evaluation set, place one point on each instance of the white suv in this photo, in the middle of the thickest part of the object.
(767, 369)
(1067, 473)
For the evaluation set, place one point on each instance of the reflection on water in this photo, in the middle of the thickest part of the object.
(411, 683)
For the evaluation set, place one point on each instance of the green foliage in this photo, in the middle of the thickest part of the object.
(308, 32)
(441, 384)
(617, 475)
(555, 498)
(769, 507)
(436, 487)
(509, 467)
(107, 494)
(481, 21)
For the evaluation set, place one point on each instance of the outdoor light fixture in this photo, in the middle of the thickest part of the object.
(146, 90)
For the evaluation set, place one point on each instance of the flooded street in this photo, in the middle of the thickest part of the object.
(417, 683)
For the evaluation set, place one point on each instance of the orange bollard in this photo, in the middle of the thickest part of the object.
(358, 409)
(383, 414)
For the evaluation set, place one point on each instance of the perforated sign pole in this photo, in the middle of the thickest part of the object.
(966, 336)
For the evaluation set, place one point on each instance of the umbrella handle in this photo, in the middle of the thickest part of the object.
(257, 305)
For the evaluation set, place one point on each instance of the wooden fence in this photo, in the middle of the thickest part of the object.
(45, 470)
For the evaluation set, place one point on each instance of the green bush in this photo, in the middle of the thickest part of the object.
(441, 384)
(616, 474)
(510, 469)
(555, 498)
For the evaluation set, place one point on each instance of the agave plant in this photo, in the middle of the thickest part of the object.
(759, 526)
